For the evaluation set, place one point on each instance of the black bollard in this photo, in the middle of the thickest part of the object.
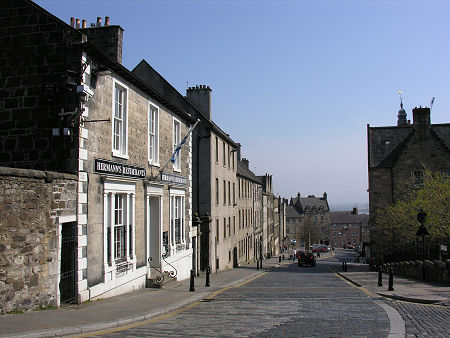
(191, 286)
(346, 267)
(343, 266)
(260, 263)
(208, 271)
(257, 264)
(298, 263)
(391, 279)
(380, 276)
(279, 259)
(283, 257)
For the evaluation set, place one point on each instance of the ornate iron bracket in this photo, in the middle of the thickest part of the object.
(172, 274)
(160, 279)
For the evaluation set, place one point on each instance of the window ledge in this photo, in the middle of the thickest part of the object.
(154, 164)
(115, 154)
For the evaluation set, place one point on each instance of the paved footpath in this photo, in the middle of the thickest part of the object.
(424, 307)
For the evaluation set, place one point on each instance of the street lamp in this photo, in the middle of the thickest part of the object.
(422, 232)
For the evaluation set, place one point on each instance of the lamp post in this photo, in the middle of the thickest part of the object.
(422, 232)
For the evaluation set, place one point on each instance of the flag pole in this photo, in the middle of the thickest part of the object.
(178, 147)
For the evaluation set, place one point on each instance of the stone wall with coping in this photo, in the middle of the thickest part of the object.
(435, 271)
(32, 203)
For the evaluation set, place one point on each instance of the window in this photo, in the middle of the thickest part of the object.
(224, 192)
(229, 192)
(234, 193)
(418, 177)
(229, 226)
(234, 224)
(176, 142)
(229, 155)
(118, 223)
(224, 228)
(224, 155)
(217, 230)
(217, 191)
(232, 158)
(217, 149)
(177, 231)
(240, 219)
(119, 125)
(153, 137)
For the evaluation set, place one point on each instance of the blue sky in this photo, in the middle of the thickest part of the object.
(295, 82)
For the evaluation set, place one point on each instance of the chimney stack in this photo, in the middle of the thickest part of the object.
(200, 97)
(78, 23)
(245, 162)
(72, 22)
(238, 150)
(83, 24)
(108, 38)
(421, 117)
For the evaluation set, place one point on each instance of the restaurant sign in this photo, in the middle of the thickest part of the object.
(118, 169)
(174, 179)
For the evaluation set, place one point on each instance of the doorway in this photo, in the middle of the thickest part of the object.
(68, 272)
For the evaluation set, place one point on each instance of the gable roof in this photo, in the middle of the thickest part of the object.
(291, 212)
(385, 144)
(343, 217)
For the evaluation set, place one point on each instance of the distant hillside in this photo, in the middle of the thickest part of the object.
(363, 208)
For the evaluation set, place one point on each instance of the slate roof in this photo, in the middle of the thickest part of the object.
(152, 78)
(291, 212)
(386, 143)
(310, 202)
(343, 217)
(364, 218)
(243, 171)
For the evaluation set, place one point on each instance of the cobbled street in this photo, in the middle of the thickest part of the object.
(286, 301)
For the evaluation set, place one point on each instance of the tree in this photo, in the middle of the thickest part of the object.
(398, 221)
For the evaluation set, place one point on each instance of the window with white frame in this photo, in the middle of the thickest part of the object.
(118, 220)
(176, 142)
(153, 134)
(177, 219)
(119, 125)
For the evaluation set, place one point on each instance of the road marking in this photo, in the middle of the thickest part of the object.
(167, 315)
(396, 322)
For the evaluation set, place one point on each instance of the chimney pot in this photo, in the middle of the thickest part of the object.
(83, 24)
(106, 20)
(78, 23)
(72, 22)
(99, 21)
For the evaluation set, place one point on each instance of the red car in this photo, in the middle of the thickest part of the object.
(305, 258)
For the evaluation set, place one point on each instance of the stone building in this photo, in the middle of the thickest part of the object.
(215, 185)
(396, 153)
(308, 220)
(71, 107)
(269, 234)
(249, 235)
(345, 228)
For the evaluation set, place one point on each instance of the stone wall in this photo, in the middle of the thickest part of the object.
(31, 206)
(37, 55)
(435, 271)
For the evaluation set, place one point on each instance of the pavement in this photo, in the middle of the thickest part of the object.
(149, 303)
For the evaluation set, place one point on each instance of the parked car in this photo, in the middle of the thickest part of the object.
(306, 258)
(319, 248)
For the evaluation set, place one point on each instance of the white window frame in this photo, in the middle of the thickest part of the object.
(176, 139)
(177, 196)
(120, 150)
(153, 153)
(112, 188)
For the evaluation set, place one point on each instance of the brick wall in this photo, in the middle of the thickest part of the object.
(31, 206)
(36, 54)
